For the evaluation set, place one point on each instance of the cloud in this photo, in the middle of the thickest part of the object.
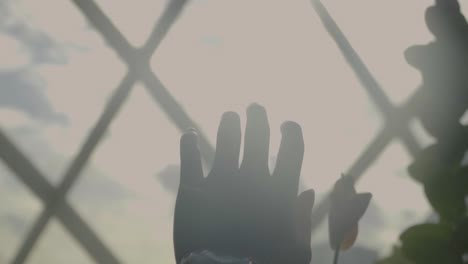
(21, 92)
(22, 48)
(12, 53)
(41, 47)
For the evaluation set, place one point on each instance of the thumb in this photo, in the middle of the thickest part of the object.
(302, 216)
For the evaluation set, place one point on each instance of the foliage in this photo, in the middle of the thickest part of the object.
(439, 167)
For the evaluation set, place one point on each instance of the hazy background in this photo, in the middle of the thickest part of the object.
(56, 74)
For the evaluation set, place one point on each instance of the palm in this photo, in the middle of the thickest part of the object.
(244, 211)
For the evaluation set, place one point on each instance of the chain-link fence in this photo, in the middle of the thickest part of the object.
(139, 70)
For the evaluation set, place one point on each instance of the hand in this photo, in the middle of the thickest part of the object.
(244, 211)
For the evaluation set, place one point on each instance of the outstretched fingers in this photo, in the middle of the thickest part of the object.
(227, 145)
(289, 162)
(257, 141)
(187, 216)
(191, 171)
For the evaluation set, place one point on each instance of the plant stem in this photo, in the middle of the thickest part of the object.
(335, 258)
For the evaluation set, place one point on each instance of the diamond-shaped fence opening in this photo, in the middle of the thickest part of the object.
(54, 237)
(117, 193)
(139, 70)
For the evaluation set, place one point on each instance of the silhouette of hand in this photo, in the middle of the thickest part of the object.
(243, 211)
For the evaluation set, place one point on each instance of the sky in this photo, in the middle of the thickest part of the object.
(56, 74)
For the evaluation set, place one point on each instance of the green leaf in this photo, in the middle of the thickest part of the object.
(435, 160)
(430, 244)
(463, 174)
(461, 237)
(446, 194)
(427, 164)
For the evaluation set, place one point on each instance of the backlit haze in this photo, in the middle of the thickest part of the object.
(56, 74)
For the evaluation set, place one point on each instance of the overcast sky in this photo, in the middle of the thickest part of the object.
(56, 74)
